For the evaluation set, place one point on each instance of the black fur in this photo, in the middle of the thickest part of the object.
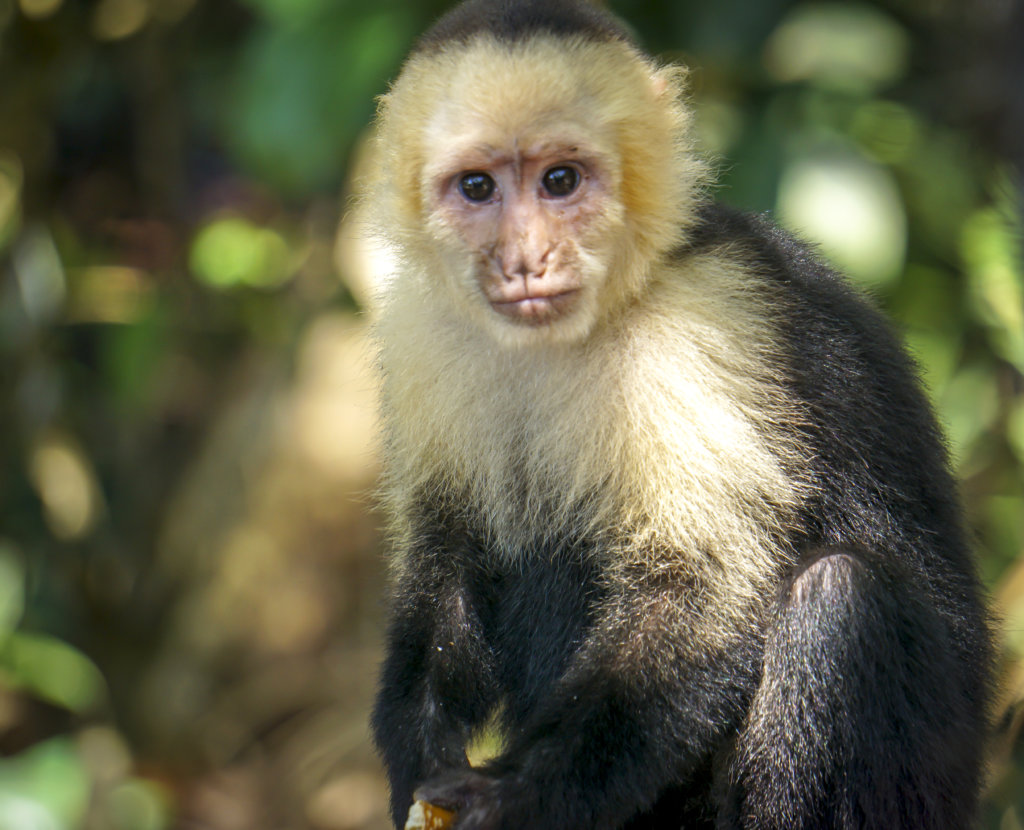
(515, 20)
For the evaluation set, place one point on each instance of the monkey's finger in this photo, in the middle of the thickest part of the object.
(453, 791)
(426, 816)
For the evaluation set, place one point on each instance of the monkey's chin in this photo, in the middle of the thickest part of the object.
(538, 310)
(534, 324)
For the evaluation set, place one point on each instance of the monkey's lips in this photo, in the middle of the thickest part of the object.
(533, 306)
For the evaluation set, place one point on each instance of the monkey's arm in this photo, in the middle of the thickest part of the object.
(436, 682)
(634, 713)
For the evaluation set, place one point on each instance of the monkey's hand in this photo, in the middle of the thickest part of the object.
(479, 801)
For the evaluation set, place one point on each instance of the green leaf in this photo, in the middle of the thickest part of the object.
(232, 251)
(12, 590)
(44, 788)
(53, 670)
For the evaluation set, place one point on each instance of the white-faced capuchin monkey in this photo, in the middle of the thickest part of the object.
(668, 501)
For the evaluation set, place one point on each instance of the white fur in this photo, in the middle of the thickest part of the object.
(666, 434)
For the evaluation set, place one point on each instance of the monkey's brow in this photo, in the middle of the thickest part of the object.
(486, 153)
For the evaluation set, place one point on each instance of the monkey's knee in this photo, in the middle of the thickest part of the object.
(831, 576)
(839, 599)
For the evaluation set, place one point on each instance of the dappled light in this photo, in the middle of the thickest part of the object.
(851, 208)
(848, 46)
(192, 566)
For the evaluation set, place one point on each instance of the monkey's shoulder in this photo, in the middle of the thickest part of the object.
(762, 246)
(811, 299)
(844, 356)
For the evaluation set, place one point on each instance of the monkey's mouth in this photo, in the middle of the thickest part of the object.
(536, 308)
(533, 301)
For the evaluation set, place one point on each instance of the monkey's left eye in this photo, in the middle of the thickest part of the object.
(561, 181)
(477, 187)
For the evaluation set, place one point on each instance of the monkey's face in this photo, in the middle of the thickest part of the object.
(536, 183)
(527, 226)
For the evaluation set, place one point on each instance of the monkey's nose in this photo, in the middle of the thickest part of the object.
(523, 267)
(526, 273)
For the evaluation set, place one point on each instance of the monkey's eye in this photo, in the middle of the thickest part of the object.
(477, 187)
(561, 181)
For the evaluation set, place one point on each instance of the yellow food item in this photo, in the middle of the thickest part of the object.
(424, 816)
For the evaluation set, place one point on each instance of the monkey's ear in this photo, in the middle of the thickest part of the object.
(660, 84)
(668, 81)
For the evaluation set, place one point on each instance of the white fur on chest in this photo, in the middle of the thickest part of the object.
(668, 430)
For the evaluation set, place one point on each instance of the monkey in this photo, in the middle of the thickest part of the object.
(667, 501)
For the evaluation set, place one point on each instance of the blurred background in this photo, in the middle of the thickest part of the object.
(191, 575)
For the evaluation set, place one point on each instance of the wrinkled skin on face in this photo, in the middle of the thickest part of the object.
(523, 212)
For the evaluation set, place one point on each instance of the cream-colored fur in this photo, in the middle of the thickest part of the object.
(660, 430)
(666, 434)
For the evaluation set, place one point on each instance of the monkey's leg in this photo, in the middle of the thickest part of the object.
(436, 684)
(863, 717)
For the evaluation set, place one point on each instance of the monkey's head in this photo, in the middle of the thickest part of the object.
(534, 180)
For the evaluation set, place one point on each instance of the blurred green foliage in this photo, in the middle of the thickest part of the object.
(172, 177)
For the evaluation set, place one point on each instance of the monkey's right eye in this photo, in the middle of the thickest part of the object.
(477, 187)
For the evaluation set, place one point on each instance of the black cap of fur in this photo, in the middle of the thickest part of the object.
(515, 20)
